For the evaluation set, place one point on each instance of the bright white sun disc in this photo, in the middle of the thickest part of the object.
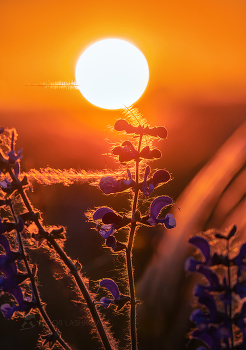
(112, 73)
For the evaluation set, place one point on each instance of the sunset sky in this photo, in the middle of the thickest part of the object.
(196, 52)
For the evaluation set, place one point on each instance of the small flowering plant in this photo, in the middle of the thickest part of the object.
(220, 319)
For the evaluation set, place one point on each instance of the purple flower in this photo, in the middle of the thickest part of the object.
(5, 184)
(115, 245)
(119, 299)
(202, 244)
(148, 186)
(22, 304)
(126, 152)
(109, 184)
(156, 207)
(150, 154)
(111, 221)
(14, 157)
(10, 255)
(123, 125)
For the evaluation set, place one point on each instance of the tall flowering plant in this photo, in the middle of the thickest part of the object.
(22, 224)
(220, 317)
(138, 151)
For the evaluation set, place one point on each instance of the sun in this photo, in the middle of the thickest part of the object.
(112, 73)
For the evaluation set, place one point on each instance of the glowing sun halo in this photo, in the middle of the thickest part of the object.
(112, 73)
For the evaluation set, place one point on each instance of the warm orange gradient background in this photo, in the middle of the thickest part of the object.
(195, 49)
(196, 52)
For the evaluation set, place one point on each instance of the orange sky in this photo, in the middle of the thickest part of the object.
(194, 48)
(196, 52)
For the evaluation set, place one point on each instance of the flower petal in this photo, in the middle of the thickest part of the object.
(100, 212)
(158, 204)
(168, 221)
(201, 244)
(7, 310)
(111, 218)
(211, 276)
(111, 286)
(191, 264)
(108, 185)
(107, 230)
(105, 302)
(161, 176)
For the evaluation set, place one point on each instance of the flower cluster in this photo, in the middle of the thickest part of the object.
(220, 322)
(108, 221)
(112, 221)
(11, 278)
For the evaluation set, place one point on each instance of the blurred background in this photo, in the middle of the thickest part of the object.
(196, 53)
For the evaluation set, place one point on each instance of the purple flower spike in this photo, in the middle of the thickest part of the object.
(201, 244)
(100, 212)
(111, 286)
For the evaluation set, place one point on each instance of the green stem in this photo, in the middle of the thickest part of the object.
(129, 258)
(70, 265)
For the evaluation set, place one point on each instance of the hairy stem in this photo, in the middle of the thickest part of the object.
(35, 289)
(129, 258)
(230, 305)
(70, 265)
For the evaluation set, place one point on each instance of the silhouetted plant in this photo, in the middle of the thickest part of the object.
(220, 320)
(23, 223)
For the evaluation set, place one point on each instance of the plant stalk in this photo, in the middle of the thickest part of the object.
(129, 258)
(70, 265)
(34, 288)
(230, 305)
